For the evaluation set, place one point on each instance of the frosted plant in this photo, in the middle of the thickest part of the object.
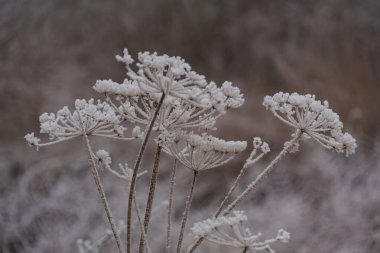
(231, 231)
(198, 153)
(190, 101)
(313, 119)
(90, 118)
(166, 95)
(161, 95)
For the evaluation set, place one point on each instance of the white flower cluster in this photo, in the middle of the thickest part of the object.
(190, 102)
(258, 144)
(231, 231)
(200, 152)
(313, 118)
(89, 117)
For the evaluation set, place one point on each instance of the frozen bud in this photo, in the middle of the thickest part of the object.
(257, 142)
(104, 157)
(136, 132)
(265, 148)
(126, 58)
(32, 140)
(106, 86)
(283, 236)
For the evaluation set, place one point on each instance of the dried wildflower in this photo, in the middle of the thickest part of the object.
(88, 118)
(190, 102)
(201, 152)
(231, 231)
(313, 119)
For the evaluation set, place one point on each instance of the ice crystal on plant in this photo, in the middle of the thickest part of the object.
(313, 118)
(201, 152)
(232, 231)
(190, 101)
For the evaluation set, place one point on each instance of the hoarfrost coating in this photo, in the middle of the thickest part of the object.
(165, 98)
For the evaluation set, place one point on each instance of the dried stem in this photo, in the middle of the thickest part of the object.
(245, 250)
(263, 174)
(186, 212)
(102, 194)
(254, 183)
(135, 170)
(234, 185)
(152, 188)
(168, 228)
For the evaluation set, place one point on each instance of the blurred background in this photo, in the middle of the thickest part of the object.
(52, 52)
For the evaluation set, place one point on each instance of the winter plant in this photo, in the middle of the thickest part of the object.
(164, 100)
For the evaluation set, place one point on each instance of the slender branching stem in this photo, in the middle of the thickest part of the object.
(186, 212)
(152, 188)
(228, 195)
(254, 183)
(171, 191)
(102, 194)
(135, 170)
(263, 174)
(143, 233)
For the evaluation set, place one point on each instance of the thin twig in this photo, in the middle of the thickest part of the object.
(135, 170)
(168, 228)
(102, 194)
(152, 188)
(245, 250)
(254, 183)
(186, 212)
(263, 174)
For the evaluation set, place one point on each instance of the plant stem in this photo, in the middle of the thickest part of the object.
(186, 212)
(228, 195)
(168, 228)
(245, 250)
(254, 183)
(102, 194)
(152, 188)
(135, 170)
(263, 174)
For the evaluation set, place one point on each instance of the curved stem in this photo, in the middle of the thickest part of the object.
(152, 188)
(168, 227)
(102, 194)
(135, 170)
(186, 212)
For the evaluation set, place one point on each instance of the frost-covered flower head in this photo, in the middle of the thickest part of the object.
(231, 231)
(89, 117)
(312, 118)
(190, 102)
(200, 152)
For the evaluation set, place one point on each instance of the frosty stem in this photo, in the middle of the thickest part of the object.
(152, 188)
(186, 212)
(252, 185)
(168, 227)
(135, 170)
(263, 174)
(102, 194)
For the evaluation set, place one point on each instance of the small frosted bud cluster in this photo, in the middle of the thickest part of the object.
(89, 117)
(313, 119)
(258, 144)
(104, 158)
(190, 101)
(201, 152)
(231, 231)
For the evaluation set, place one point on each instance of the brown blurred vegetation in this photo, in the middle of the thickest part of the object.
(53, 51)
